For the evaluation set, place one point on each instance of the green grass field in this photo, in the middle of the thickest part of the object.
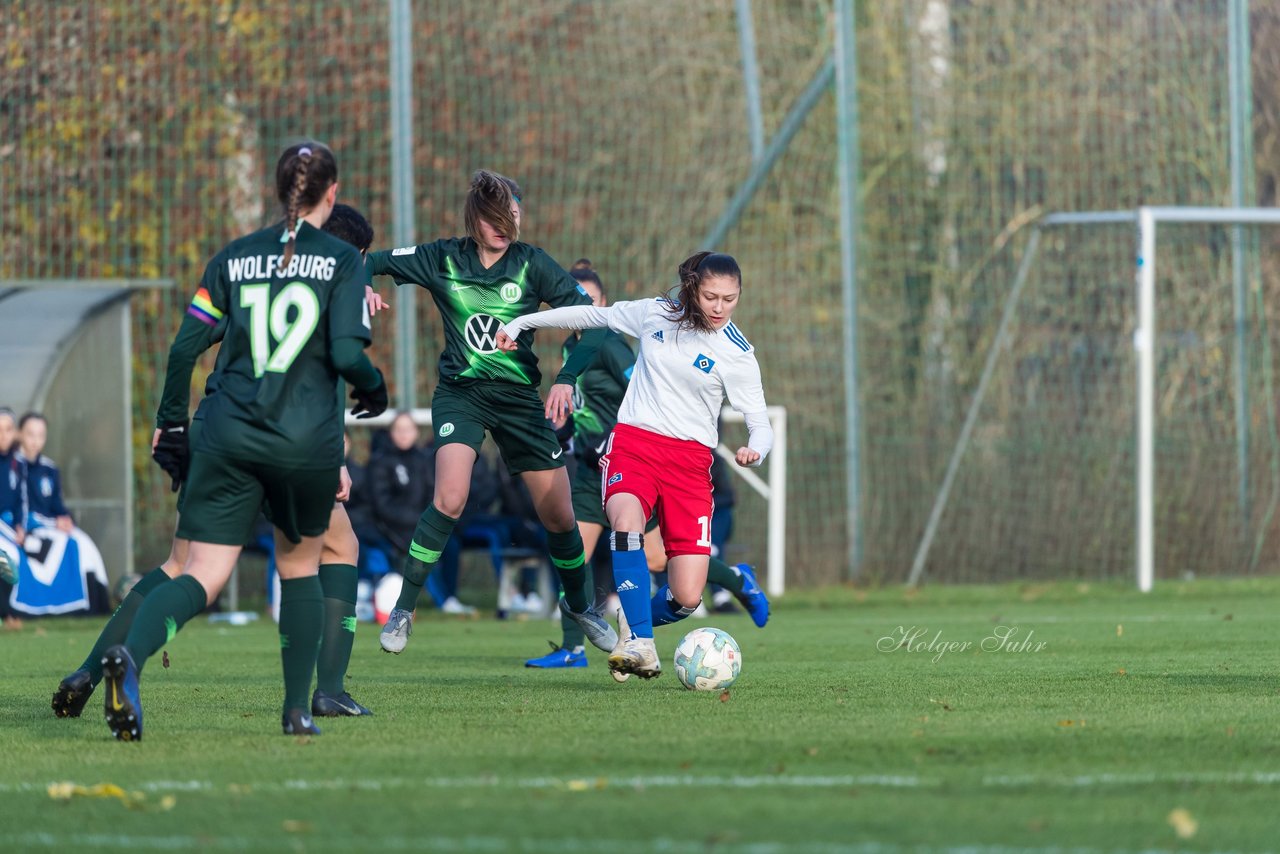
(1141, 723)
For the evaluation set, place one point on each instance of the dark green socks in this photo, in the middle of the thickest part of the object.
(117, 628)
(429, 537)
(570, 562)
(164, 610)
(719, 572)
(338, 582)
(301, 619)
(573, 635)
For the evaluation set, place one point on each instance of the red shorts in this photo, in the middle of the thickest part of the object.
(669, 476)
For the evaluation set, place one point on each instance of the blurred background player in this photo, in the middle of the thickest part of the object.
(658, 457)
(271, 433)
(597, 398)
(401, 481)
(338, 577)
(12, 514)
(477, 282)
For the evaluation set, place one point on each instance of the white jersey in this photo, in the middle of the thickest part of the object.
(681, 377)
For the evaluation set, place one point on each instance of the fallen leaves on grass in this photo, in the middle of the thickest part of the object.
(724, 695)
(1122, 672)
(1068, 722)
(133, 800)
(293, 825)
(1183, 823)
(164, 659)
(1119, 630)
(945, 707)
(597, 784)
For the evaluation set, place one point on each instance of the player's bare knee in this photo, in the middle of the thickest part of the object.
(450, 505)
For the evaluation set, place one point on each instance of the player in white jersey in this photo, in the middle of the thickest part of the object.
(659, 455)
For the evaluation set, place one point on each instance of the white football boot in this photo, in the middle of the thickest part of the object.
(624, 632)
(594, 626)
(395, 634)
(638, 656)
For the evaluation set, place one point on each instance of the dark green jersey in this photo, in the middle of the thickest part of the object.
(474, 302)
(276, 384)
(599, 392)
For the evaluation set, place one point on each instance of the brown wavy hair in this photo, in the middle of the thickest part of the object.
(694, 270)
(490, 199)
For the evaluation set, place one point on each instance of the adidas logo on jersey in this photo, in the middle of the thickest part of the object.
(625, 586)
(657, 336)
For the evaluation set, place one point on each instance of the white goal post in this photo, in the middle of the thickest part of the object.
(1146, 220)
(772, 487)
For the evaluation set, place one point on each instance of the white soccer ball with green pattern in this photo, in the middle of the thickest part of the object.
(708, 660)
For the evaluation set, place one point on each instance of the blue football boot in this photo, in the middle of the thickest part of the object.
(559, 657)
(122, 703)
(752, 596)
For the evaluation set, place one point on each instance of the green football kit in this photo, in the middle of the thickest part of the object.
(483, 389)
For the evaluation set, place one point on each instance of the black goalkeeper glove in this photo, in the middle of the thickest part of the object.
(370, 404)
(173, 452)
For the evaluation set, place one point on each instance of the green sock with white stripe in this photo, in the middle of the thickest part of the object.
(570, 561)
(429, 537)
(339, 582)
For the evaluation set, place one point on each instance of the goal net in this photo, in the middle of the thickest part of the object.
(1071, 464)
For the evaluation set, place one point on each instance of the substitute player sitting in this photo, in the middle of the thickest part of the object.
(658, 457)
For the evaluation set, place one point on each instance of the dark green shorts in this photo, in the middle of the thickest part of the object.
(513, 415)
(588, 498)
(224, 495)
(192, 433)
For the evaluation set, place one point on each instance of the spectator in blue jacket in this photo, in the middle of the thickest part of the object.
(41, 480)
(11, 510)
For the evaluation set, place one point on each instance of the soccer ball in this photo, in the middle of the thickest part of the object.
(708, 659)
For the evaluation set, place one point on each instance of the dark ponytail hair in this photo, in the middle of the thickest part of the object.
(304, 174)
(693, 271)
(490, 199)
(583, 271)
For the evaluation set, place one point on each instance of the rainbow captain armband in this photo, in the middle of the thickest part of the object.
(203, 309)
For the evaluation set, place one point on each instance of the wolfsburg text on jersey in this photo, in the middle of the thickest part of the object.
(255, 267)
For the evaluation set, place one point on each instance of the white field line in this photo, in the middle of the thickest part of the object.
(678, 781)
(499, 845)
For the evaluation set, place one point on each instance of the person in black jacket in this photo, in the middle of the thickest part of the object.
(401, 481)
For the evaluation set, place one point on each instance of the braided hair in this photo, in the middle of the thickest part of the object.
(304, 174)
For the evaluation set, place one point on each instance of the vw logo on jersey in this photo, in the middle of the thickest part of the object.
(481, 333)
(704, 364)
(446, 429)
(511, 292)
